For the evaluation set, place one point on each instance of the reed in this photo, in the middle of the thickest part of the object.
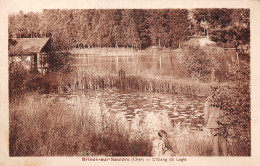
(45, 127)
(88, 80)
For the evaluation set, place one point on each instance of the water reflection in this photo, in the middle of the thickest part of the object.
(166, 65)
(162, 65)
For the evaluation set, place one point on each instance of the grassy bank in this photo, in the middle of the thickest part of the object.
(42, 125)
(45, 127)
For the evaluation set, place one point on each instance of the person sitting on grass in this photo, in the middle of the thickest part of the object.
(219, 133)
(160, 147)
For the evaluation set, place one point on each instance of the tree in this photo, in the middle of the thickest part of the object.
(12, 26)
(117, 30)
(179, 26)
(200, 15)
(32, 24)
(141, 18)
(159, 27)
(132, 35)
(234, 100)
(103, 29)
(133, 27)
(20, 20)
(94, 33)
(126, 17)
(85, 29)
(199, 64)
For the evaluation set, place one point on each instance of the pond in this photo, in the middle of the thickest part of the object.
(155, 65)
(139, 112)
(147, 112)
(143, 112)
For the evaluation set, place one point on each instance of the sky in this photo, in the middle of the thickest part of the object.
(24, 10)
(26, 6)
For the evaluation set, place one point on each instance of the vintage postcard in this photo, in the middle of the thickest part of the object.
(129, 83)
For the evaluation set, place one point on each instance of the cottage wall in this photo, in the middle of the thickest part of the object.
(25, 61)
(42, 62)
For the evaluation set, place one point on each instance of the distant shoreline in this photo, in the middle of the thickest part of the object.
(108, 51)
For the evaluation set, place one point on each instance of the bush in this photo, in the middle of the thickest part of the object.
(18, 78)
(199, 64)
(59, 61)
(234, 99)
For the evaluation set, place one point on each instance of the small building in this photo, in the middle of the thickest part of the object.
(31, 52)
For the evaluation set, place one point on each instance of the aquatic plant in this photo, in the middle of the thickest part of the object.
(90, 80)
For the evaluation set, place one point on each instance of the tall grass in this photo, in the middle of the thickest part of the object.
(89, 80)
(187, 142)
(45, 127)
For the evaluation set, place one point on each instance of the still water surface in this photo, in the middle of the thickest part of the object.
(144, 112)
(138, 112)
(161, 65)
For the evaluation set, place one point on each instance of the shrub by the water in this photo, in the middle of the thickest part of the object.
(234, 100)
(198, 63)
(59, 61)
(233, 96)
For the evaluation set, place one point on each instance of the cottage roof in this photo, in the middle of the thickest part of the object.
(28, 45)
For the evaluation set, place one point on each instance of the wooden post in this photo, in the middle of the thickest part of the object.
(237, 52)
(38, 61)
(41, 63)
(237, 59)
(116, 63)
(160, 62)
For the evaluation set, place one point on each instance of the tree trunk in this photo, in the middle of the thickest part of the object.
(237, 59)
(237, 52)
(116, 44)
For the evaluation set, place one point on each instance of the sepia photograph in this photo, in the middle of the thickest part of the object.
(129, 84)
